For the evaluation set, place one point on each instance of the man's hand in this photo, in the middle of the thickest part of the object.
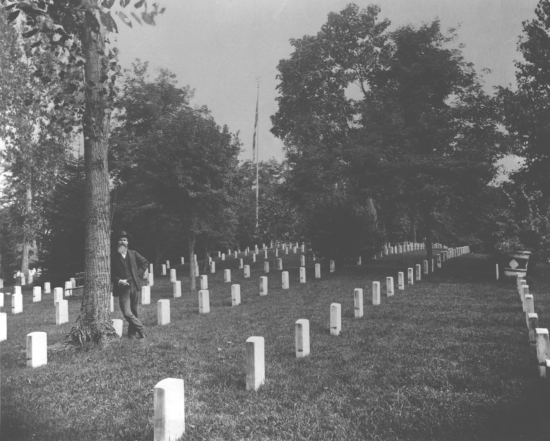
(145, 275)
(123, 282)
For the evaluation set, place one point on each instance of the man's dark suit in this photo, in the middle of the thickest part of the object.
(131, 269)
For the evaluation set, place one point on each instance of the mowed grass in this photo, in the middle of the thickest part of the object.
(448, 358)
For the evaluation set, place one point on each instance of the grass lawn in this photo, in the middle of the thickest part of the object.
(448, 358)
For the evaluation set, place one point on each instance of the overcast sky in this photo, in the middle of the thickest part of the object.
(220, 47)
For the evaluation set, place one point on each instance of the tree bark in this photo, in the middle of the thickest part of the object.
(94, 322)
(192, 282)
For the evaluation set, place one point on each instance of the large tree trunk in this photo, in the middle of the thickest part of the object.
(26, 239)
(94, 322)
(192, 282)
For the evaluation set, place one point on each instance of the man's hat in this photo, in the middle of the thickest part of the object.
(122, 233)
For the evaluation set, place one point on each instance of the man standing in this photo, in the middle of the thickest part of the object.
(127, 269)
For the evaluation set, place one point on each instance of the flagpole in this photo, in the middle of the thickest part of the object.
(257, 156)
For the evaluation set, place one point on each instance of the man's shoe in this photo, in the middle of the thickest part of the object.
(141, 335)
(131, 336)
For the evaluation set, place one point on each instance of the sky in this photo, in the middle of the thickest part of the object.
(221, 47)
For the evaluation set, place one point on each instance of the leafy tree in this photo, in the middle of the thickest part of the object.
(429, 132)
(34, 148)
(76, 32)
(185, 169)
(526, 114)
(416, 147)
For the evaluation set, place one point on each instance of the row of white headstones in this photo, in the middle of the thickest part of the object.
(537, 336)
(169, 399)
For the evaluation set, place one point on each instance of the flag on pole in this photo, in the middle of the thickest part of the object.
(254, 143)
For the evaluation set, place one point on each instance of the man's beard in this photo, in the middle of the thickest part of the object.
(122, 249)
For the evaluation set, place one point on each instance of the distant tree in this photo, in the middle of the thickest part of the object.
(64, 225)
(278, 218)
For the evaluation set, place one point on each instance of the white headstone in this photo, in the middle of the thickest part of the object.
(401, 281)
(169, 409)
(47, 288)
(3, 326)
(246, 271)
(439, 260)
(227, 275)
(411, 276)
(112, 303)
(302, 260)
(57, 294)
(532, 323)
(263, 286)
(182, 260)
(425, 265)
(163, 312)
(543, 349)
(223, 256)
(167, 264)
(255, 362)
(317, 270)
(235, 295)
(204, 301)
(17, 303)
(36, 294)
(302, 274)
(389, 286)
(37, 349)
(68, 288)
(529, 307)
(418, 272)
(241, 264)
(266, 267)
(285, 281)
(163, 267)
(145, 295)
(1, 299)
(236, 254)
(1, 283)
(253, 257)
(176, 288)
(358, 302)
(151, 266)
(173, 276)
(151, 279)
(265, 254)
(62, 312)
(279, 263)
(276, 252)
(204, 282)
(376, 293)
(332, 266)
(359, 260)
(302, 338)
(496, 268)
(213, 267)
(73, 282)
(335, 318)
(17, 289)
(118, 325)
